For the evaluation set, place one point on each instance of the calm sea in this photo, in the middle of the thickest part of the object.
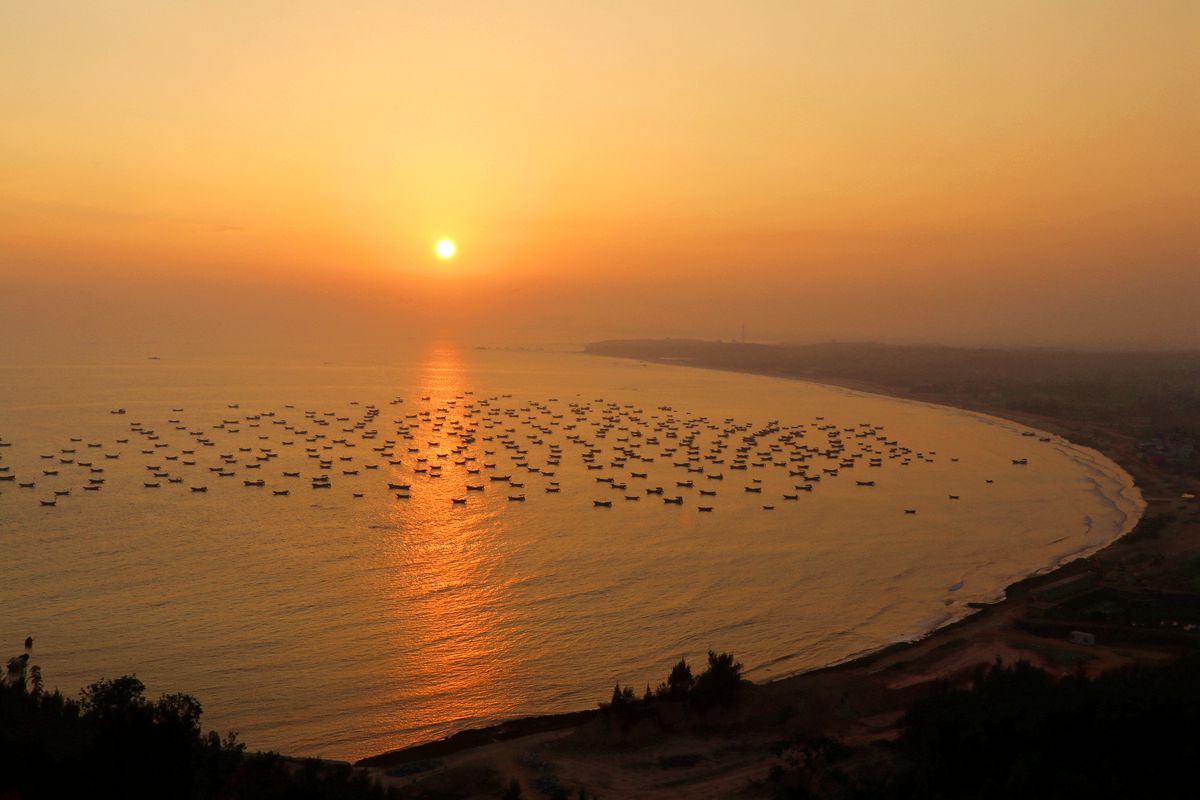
(322, 622)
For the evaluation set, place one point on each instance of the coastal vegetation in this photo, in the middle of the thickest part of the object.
(1018, 731)
(717, 686)
(1014, 731)
(113, 741)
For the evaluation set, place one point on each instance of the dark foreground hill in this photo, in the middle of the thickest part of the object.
(115, 742)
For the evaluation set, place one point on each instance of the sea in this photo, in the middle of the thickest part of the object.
(449, 536)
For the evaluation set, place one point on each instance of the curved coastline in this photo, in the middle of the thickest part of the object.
(1090, 459)
(1127, 499)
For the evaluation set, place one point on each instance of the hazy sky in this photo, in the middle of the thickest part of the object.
(983, 172)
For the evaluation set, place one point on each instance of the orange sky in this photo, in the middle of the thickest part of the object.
(959, 172)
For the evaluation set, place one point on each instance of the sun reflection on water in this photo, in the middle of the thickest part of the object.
(443, 577)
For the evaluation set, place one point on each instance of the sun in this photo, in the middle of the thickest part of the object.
(445, 249)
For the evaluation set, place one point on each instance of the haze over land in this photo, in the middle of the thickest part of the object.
(207, 178)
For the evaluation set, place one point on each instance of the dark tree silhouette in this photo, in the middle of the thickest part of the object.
(719, 683)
